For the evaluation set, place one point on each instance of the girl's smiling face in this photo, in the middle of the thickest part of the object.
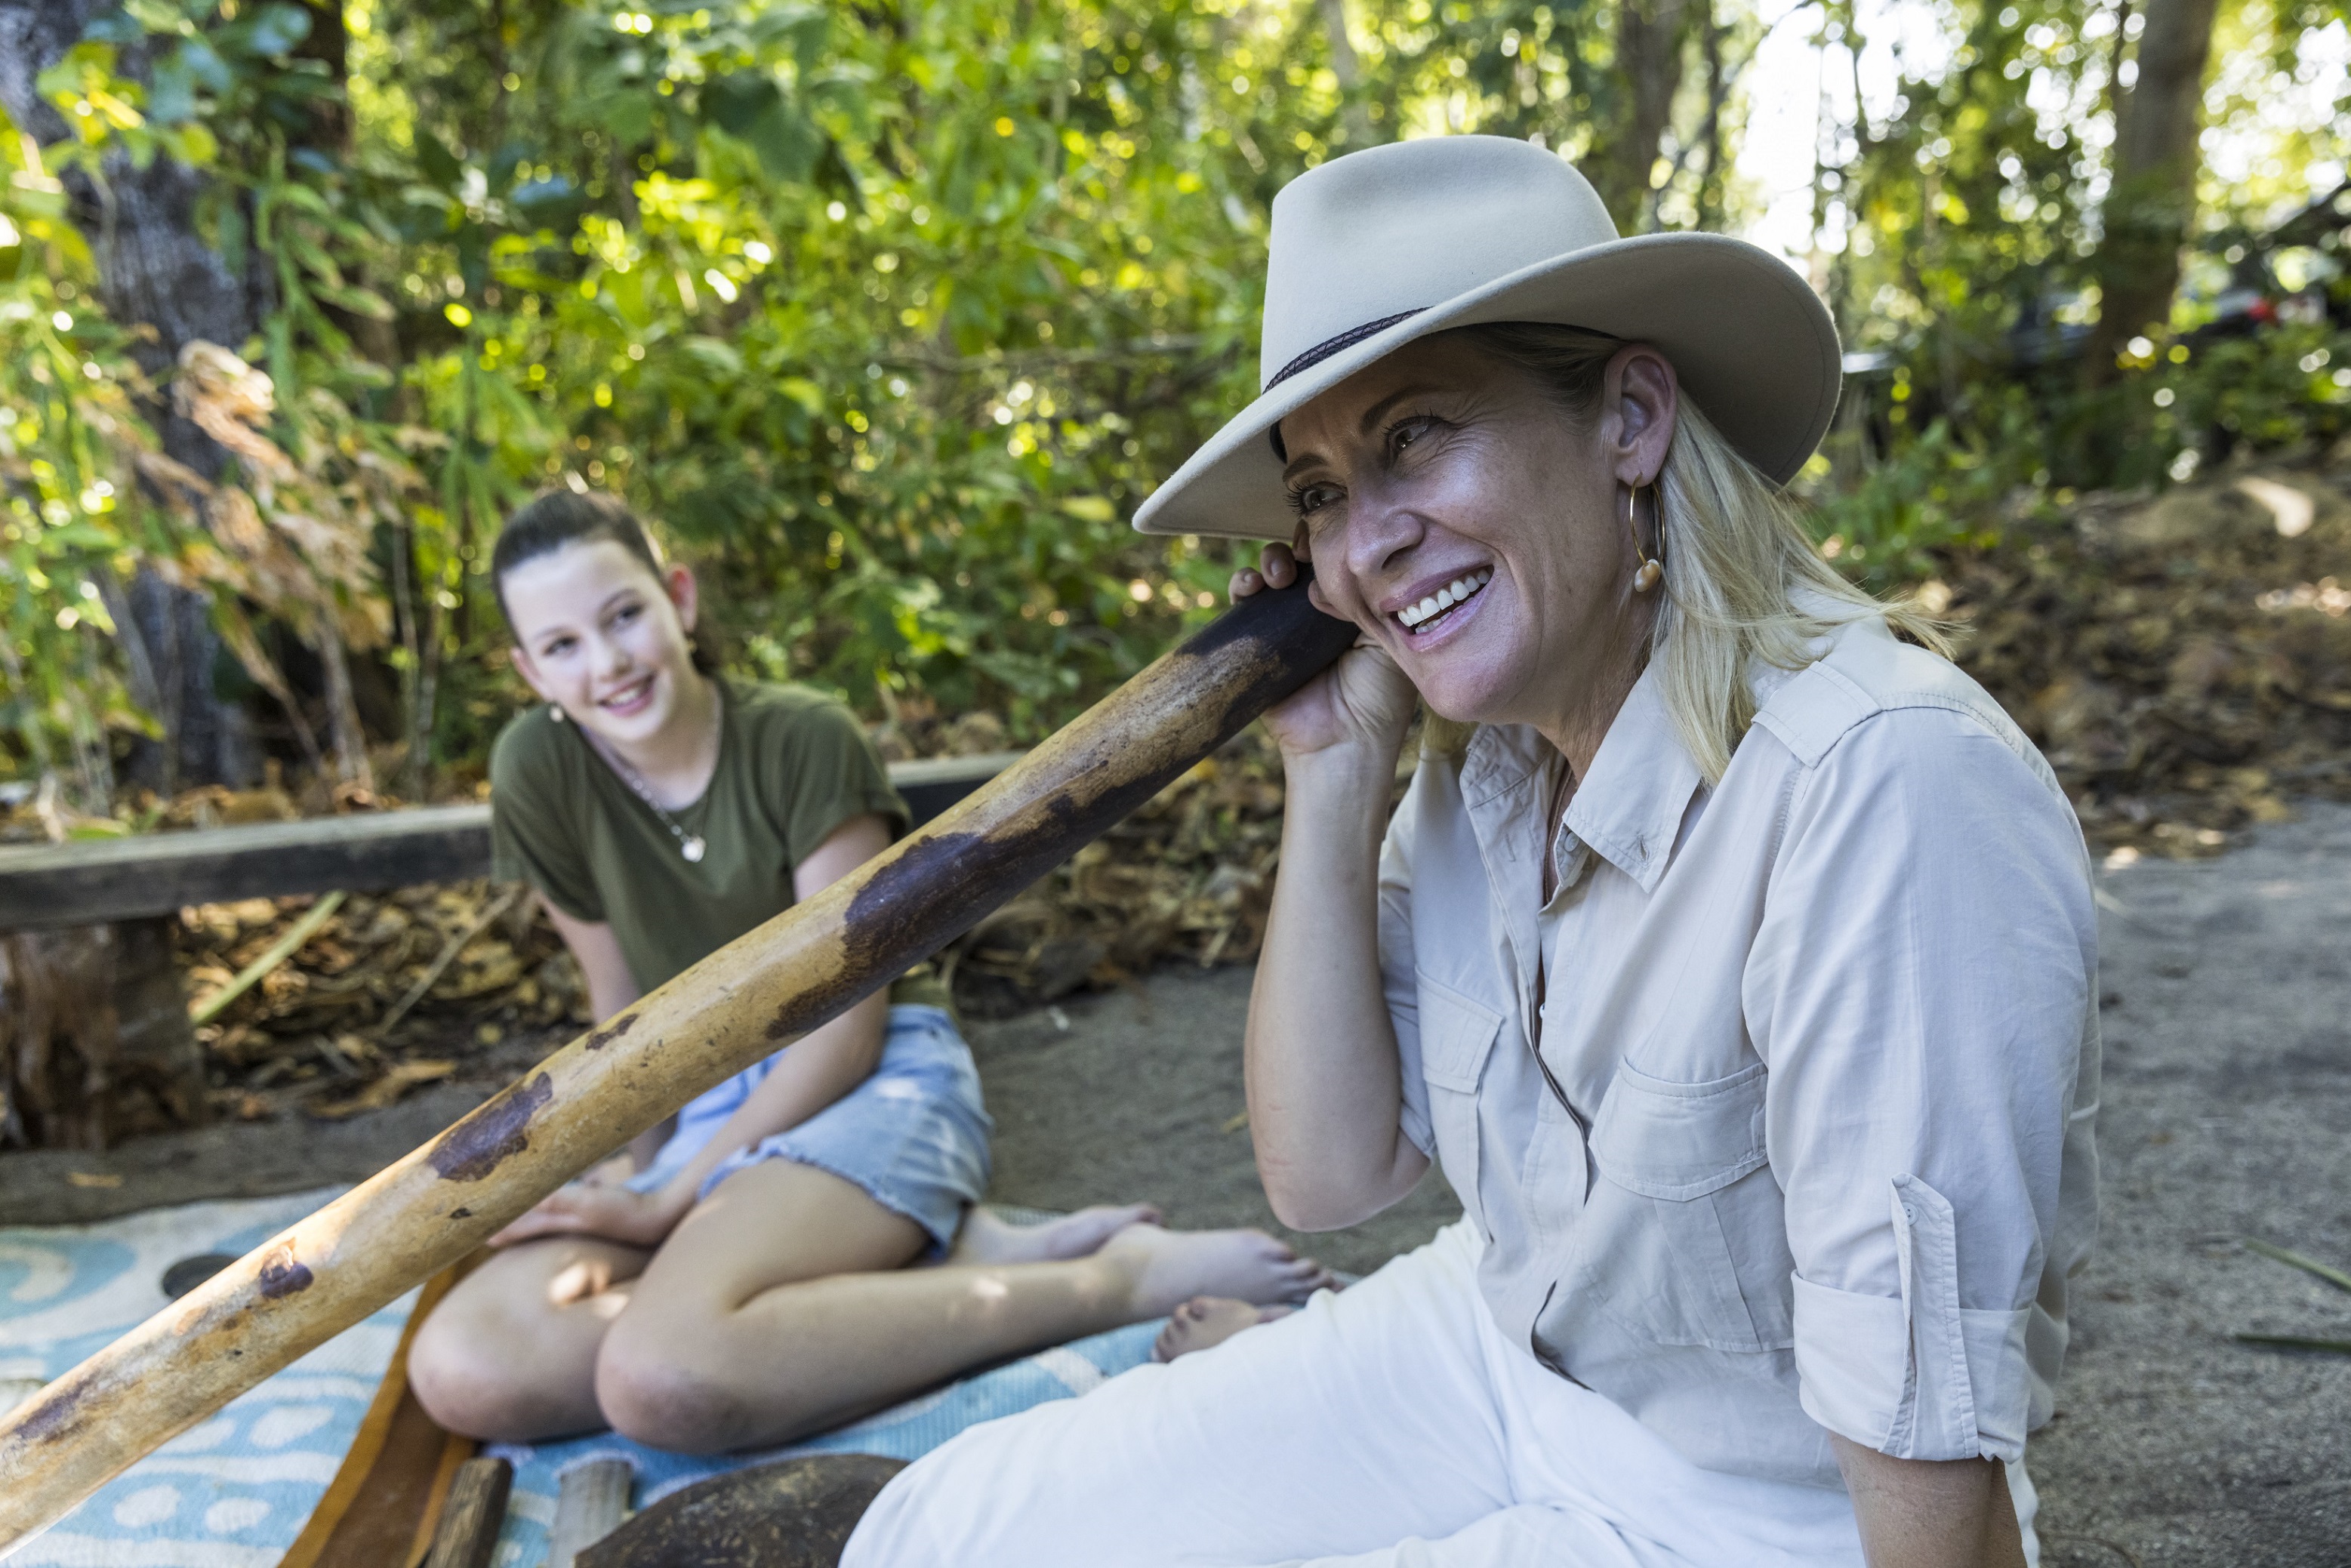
(603, 638)
(1459, 516)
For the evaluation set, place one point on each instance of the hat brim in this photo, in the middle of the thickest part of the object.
(1750, 342)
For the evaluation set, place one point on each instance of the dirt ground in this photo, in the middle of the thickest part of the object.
(2228, 1021)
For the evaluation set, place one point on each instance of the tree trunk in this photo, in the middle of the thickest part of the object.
(2153, 199)
(154, 270)
(1649, 72)
(1349, 69)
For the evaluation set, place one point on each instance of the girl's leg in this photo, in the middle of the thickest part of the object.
(509, 1355)
(781, 1306)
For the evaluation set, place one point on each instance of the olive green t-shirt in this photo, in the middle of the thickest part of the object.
(793, 764)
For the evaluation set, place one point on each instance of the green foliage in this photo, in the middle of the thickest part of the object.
(69, 437)
(890, 314)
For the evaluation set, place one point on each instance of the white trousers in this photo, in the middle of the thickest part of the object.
(1391, 1424)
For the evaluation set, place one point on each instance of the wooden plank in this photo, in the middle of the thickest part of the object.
(383, 1505)
(92, 880)
(469, 1525)
(592, 1502)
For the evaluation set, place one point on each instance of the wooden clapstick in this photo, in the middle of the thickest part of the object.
(743, 1002)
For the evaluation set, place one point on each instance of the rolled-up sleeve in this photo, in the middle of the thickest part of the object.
(1399, 974)
(1918, 988)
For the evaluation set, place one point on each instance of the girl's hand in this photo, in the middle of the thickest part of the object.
(1363, 702)
(614, 1213)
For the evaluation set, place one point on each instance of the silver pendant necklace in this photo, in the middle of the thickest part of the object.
(690, 845)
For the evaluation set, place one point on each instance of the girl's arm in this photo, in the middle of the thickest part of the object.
(815, 1070)
(611, 987)
(821, 1066)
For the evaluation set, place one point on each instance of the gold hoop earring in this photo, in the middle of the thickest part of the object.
(1650, 572)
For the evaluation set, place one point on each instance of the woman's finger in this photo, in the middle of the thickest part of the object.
(1245, 582)
(1279, 566)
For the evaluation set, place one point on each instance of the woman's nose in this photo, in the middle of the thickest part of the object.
(1379, 528)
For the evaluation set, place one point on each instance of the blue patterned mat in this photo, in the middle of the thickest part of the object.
(236, 1490)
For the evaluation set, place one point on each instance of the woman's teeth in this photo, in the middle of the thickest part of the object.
(1416, 616)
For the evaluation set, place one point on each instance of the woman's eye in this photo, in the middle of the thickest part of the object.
(556, 648)
(1309, 499)
(1405, 433)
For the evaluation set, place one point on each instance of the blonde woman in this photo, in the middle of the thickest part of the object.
(1732, 952)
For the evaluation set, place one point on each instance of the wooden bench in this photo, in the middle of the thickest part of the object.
(93, 882)
(91, 922)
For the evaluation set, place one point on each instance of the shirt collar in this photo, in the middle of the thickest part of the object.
(1628, 810)
(1629, 807)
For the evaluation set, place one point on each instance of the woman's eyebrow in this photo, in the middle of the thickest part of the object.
(1378, 410)
(614, 597)
(1371, 419)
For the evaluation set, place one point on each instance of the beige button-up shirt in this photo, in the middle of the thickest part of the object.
(1808, 1144)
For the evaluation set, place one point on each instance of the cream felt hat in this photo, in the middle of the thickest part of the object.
(1382, 246)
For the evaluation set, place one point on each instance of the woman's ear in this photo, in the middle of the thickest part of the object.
(1643, 401)
(684, 592)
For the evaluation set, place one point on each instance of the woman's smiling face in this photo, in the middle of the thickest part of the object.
(1458, 515)
(601, 637)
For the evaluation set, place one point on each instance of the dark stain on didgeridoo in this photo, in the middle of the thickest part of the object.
(501, 1126)
(282, 1275)
(600, 1039)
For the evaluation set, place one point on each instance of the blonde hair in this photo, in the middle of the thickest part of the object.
(1743, 584)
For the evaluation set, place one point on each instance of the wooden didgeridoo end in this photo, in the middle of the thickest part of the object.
(742, 1003)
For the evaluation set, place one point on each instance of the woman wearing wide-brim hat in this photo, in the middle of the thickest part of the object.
(1732, 951)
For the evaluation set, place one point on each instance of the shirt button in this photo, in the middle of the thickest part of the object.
(1910, 1213)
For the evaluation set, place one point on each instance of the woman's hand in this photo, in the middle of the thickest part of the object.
(590, 1208)
(1362, 702)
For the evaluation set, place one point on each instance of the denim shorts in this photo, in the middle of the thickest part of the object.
(914, 1135)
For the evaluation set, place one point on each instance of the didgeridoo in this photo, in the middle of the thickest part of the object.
(740, 1004)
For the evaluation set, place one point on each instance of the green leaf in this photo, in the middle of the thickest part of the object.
(2335, 1277)
(272, 30)
(358, 301)
(713, 355)
(2296, 1341)
(1089, 508)
(440, 165)
(750, 107)
(735, 102)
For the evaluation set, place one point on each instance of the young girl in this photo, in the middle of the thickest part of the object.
(750, 1283)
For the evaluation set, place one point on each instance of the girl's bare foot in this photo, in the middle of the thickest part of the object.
(1205, 1322)
(988, 1240)
(1161, 1268)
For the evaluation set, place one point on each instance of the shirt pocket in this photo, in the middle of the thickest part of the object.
(1684, 1239)
(1456, 1038)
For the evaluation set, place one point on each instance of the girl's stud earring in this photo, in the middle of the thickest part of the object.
(555, 712)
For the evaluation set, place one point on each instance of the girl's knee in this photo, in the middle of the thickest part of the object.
(655, 1396)
(464, 1383)
(667, 1385)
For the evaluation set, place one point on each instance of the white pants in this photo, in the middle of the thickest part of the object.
(1391, 1424)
